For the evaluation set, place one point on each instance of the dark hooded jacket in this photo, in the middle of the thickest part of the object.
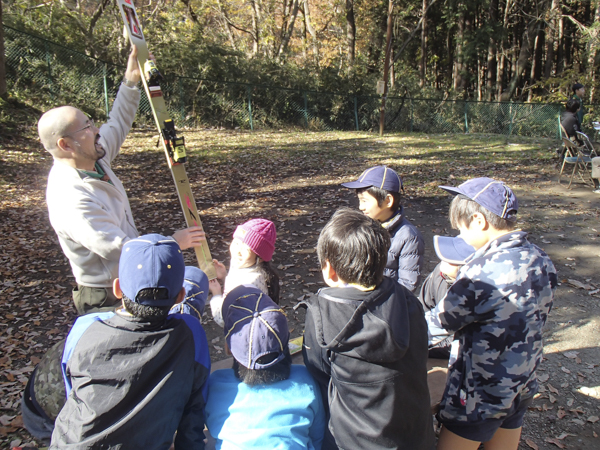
(368, 353)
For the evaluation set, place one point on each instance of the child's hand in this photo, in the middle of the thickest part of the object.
(214, 287)
(448, 269)
(220, 269)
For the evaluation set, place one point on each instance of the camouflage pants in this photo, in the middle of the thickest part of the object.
(45, 394)
(48, 384)
(90, 299)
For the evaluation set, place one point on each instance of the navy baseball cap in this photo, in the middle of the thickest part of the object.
(153, 263)
(381, 177)
(453, 250)
(255, 326)
(493, 195)
(195, 283)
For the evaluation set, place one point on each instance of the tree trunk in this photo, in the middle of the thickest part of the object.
(255, 27)
(503, 50)
(535, 62)
(560, 54)
(311, 31)
(377, 40)
(457, 78)
(523, 59)
(551, 34)
(3, 89)
(288, 30)
(492, 53)
(423, 66)
(350, 33)
(594, 47)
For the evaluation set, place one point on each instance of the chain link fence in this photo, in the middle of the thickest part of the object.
(49, 74)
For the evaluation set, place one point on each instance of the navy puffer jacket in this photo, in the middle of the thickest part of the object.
(406, 253)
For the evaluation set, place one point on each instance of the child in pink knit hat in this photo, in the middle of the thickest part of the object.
(251, 253)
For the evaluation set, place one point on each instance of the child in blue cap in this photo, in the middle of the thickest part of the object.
(378, 191)
(195, 283)
(496, 309)
(264, 401)
(137, 376)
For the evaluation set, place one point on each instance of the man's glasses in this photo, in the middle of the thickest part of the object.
(90, 124)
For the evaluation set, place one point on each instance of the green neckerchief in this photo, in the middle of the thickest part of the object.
(99, 174)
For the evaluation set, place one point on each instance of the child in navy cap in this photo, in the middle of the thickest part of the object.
(496, 309)
(136, 376)
(195, 283)
(378, 190)
(263, 401)
(452, 252)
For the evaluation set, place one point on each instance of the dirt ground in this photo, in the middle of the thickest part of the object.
(293, 179)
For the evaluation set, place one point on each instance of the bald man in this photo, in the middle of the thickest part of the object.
(87, 204)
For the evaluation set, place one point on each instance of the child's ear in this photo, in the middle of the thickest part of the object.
(389, 201)
(117, 288)
(330, 276)
(480, 222)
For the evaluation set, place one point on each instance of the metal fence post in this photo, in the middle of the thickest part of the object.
(181, 100)
(49, 70)
(466, 117)
(510, 112)
(411, 115)
(558, 130)
(305, 109)
(104, 70)
(249, 88)
(356, 113)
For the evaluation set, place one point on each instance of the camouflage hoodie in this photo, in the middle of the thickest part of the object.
(497, 307)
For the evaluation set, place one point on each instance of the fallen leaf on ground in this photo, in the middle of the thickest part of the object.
(564, 435)
(555, 442)
(579, 284)
(593, 419)
(531, 444)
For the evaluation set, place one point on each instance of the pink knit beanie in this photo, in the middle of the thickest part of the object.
(259, 235)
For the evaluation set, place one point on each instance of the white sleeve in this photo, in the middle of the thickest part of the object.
(216, 304)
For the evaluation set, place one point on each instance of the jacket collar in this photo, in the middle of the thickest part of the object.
(393, 222)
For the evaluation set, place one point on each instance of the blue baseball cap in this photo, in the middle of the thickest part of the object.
(255, 326)
(195, 283)
(381, 177)
(453, 250)
(493, 195)
(153, 263)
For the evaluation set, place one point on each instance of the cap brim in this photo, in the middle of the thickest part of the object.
(452, 189)
(453, 250)
(356, 185)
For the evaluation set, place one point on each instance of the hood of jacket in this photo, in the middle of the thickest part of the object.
(355, 323)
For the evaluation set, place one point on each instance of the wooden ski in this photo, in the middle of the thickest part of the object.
(173, 145)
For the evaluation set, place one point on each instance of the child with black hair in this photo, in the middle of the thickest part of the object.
(137, 376)
(378, 191)
(263, 401)
(251, 251)
(496, 309)
(365, 343)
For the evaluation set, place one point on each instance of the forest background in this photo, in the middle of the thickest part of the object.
(495, 50)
